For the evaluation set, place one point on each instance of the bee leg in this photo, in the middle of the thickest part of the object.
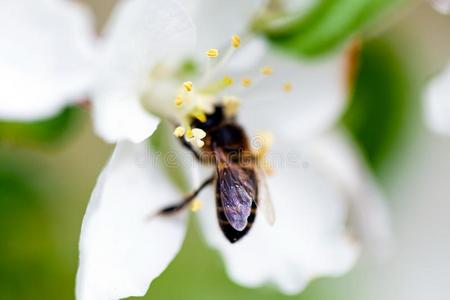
(178, 207)
(189, 147)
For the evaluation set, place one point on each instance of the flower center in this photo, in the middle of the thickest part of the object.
(195, 94)
(197, 99)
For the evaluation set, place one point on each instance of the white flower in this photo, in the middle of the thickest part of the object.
(437, 103)
(123, 248)
(46, 52)
(442, 6)
(134, 77)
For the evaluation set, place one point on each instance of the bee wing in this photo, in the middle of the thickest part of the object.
(265, 205)
(236, 189)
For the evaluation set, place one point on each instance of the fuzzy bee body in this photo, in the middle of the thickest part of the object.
(236, 184)
(239, 182)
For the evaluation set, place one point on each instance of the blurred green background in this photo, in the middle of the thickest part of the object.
(48, 169)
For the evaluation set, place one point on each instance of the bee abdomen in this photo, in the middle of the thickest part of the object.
(230, 233)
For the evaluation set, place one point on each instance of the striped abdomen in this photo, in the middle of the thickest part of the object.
(226, 209)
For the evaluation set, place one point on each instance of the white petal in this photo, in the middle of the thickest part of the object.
(309, 238)
(316, 100)
(119, 118)
(339, 158)
(46, 47)
(139, 34)
(248, 56)
(437, 103)
(217, 21)
(122, 249)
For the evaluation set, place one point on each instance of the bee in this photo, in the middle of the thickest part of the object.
(239, 182)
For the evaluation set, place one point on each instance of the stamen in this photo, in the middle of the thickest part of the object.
(217, 86)
(189, 134)
(212, 53)
(179, 131)
(211, 71)
(231, 105)
(178, 101)
(196, 205)
(188, 86)
(287, 87)
(199, 115)
(246, 82)
(228, 80)
(266, 71)
(235, 41)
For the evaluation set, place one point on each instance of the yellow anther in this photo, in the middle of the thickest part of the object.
(179, 101)
(246, 82)
(228, 80)
(199, 115)
(266, 71)
(189, 134)
(179, 131)
(231, 105)
(188, 86)
(196, 205)
(217, 86)
(213, 52)
(287, 87)
(235, 41)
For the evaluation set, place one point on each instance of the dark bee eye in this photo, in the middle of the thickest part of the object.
(212, 120)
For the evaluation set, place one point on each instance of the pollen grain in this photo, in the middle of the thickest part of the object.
(188, 86)
(212, 53)
(246, 82)
(235, 41)
(266, 71)
(287, 87)
(196, 205)
(179, 131)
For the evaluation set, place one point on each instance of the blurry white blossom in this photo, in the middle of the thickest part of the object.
(46, 56)
(437, 102)
(442, 6)
(122, 251)
(437, 94)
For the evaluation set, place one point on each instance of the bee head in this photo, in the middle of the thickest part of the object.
(212, 120)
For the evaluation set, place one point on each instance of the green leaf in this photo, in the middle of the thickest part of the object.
(328, 24)
(45, 133)
(384, 96)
